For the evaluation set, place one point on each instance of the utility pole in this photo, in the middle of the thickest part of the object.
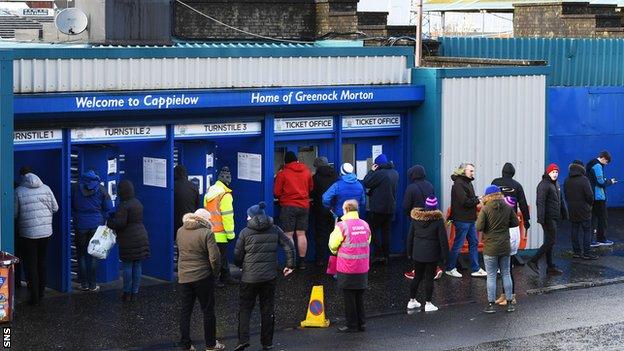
(418, 44)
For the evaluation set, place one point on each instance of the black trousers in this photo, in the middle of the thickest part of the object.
(202, 290)
(383, 222)
(423, 272)
(354, 308)
(248, 292)
(35, 252)
(599, 219)
(550, 237)
(323, 226)
(225, 267)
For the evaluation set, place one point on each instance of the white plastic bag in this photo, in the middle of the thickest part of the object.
(514, 239)
(101, 242)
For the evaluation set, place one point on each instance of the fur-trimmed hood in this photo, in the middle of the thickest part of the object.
(492, 197)
(192, 221)
(420, 214)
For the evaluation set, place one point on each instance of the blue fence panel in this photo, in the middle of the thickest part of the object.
(583, 121)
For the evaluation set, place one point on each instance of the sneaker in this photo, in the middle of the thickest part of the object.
(554, 271)
(438, 275)
(217, 347)
(429, 307)
(605, 243)
(491, 308)
(409, 275)
(95, 288)
(413, 304)
(83, 288)
(589, 257)
(510, 307)
(576, 255)
(480, 273)
(594, 244)
(454, 273)
(533, 267)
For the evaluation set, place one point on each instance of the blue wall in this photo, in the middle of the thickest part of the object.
(582, 121)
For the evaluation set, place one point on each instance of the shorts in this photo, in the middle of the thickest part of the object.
(294, 218)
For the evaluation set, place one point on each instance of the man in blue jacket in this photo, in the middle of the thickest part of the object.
(599, 183)
(348, 187)
(91, 205)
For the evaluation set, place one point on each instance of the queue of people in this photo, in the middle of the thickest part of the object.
(339, 202)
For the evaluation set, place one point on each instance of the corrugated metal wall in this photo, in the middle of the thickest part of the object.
(575, 62)
(63, 75)
(492, 120)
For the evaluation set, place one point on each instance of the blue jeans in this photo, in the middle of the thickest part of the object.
(493, 264)
(131, 276)
(463, 231)
(87, 264)
(581, 235)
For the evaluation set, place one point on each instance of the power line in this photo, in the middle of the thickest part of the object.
(238, 29)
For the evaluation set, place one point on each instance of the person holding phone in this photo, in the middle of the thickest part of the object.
(600, 182)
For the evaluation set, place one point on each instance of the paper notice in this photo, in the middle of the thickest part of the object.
(209, 160)
(360, 169)
(198, 181)
(155, 172)
(377, 150)
(250, 166)
(112, 166)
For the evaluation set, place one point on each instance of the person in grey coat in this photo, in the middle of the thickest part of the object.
(35, 205)
(256, 253)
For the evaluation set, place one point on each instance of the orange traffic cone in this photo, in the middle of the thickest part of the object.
(316, 310)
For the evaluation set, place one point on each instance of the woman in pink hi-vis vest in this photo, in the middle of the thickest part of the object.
(350, 241)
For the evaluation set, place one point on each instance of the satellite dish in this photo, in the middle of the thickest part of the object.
(71, 21)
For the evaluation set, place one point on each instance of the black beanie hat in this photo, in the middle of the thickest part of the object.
(290, 157)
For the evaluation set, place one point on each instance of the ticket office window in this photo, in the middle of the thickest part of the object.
(307, 155)
(348, 153)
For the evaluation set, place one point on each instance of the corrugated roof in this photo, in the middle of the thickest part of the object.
(494, 5)
(574, 62)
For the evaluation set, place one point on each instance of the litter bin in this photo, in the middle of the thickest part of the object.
(7, 275)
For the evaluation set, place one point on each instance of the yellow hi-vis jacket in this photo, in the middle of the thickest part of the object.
(218, 201)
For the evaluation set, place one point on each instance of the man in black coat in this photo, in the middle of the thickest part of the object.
(256, 254)
(185, 197)
(550, 210)
(323, 178)
(382, 182)
(510, 187)
(579, 197)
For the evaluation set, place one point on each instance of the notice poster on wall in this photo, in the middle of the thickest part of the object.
(198, 181)
(112, 166)
(112, 190)
(155, 172)
(360, 169)
(377, 150)
(209, 160)
(250, 166)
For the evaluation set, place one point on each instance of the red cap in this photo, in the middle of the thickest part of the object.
(552, 167)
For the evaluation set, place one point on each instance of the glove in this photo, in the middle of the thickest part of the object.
(527, 225)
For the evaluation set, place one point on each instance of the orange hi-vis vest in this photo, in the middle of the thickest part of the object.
(216, 218)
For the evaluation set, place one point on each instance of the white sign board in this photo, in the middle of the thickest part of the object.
(250, 166)
(118, 133)
(155, 172)
(307, 124)
(371, 122)
(37, 12)
(37, 136)
(112, 166)
(212, 129)
(377, 150)
(209, 160)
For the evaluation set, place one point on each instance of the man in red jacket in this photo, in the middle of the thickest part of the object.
(292, 188)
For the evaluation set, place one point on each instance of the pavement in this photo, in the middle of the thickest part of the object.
(101, 321)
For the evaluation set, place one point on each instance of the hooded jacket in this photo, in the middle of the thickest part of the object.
(510, 187)
(426, 239)
(598, 179)
(324, 177)
(495, 219)
(34, 205)
(219, 202)
(382, 189)
(578, 194)
(418, 191)
(346, 188)
(90, 202)
(463, 199)
(128, 225)
(293, 185)
(550, 205)
(256, 250)
(185, 195)
(198, 251)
